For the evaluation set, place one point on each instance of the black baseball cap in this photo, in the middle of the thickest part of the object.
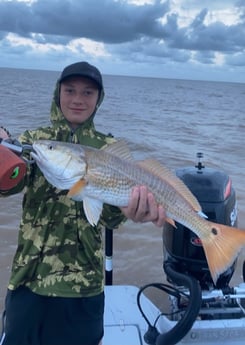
(83, 69)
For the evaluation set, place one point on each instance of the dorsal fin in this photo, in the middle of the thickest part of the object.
(119, 149)
(165, 173)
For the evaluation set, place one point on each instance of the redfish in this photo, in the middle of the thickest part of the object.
(97, 176)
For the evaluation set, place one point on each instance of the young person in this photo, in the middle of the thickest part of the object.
(55, 294)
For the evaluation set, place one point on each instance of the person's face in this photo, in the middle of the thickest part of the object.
(78, 99)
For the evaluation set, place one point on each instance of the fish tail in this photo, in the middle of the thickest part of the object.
(222, 247)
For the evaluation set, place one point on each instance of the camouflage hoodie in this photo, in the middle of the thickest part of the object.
(59, 253)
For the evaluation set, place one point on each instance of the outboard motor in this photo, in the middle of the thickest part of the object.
(214, 191)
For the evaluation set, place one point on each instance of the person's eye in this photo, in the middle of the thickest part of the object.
(69, 91)
(89, 93)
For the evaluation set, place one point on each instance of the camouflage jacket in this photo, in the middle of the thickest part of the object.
(59, 253)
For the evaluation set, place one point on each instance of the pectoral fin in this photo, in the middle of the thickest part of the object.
(92, 209)
(77, 188)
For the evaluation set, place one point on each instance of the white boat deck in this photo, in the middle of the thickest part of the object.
(124, 324)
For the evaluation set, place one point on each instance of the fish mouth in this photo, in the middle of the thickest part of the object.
(34, 155)
(37, 155)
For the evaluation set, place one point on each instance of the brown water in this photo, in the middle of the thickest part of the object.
(170, 120)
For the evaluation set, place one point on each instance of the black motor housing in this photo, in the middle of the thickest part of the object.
(214, 191)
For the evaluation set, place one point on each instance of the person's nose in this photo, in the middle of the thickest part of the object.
(79, 98)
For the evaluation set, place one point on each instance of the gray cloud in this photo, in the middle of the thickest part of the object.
(213, 37)
(107, 21)
(134, 32)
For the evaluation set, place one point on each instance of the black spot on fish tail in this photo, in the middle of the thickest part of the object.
(214, 231)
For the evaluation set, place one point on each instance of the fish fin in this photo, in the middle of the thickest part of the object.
(222, 248)
(77, 188)
(201, 214)
(92, 208)
(165, 173)
(119, 149)
(171, 222)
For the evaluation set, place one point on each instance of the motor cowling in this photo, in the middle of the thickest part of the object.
(216, 195)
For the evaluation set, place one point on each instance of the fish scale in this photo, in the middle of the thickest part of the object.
(117, 185)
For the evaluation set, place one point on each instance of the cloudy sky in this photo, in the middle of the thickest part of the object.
(190, 39)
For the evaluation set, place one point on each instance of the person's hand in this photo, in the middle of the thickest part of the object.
(4, 133)
(143, 208)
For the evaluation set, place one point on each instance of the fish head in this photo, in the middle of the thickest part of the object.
(62, 164)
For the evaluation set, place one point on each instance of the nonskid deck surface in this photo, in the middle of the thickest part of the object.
(124, 324)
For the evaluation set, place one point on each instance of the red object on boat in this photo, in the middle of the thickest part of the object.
(12, 169)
